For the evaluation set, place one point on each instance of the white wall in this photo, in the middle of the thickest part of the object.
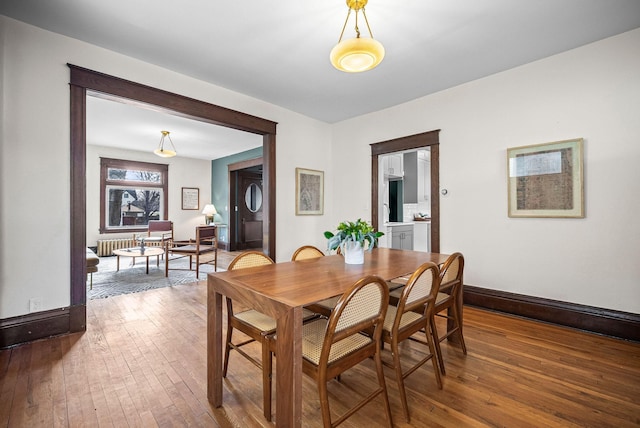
(183, 172)
(593, 93)
(34, 251)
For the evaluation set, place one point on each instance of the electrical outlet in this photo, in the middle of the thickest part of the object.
(35, 304)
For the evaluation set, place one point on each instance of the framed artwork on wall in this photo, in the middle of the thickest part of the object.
(546, 180)
(309, 192)
(190, 198)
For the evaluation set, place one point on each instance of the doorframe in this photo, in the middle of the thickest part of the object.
(232, 169)
(429, 139)
(83, 80)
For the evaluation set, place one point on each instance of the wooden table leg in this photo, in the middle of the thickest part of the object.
(289, 369)
(214, 347)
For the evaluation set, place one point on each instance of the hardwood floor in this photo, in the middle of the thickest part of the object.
(142, 362)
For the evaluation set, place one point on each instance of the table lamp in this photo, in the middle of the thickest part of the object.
(209, 211)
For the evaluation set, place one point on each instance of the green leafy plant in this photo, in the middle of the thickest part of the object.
(358, 231)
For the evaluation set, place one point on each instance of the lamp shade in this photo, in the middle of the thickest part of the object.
(357, 54)
(210, 210)
(165, 153)
(161, 151)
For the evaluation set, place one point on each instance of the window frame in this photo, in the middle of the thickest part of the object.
(106, 163)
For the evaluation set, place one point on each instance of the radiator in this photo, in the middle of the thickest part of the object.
(106, 246)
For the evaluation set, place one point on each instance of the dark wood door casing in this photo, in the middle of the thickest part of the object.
(250, 221)
(98, 84)
(429, 139)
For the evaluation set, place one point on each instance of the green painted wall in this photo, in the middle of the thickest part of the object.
(220, 183)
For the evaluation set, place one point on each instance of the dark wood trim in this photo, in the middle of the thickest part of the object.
(106, 163)
(38, 325)
(416, 141)
(608, 322)
(78, 132)
(77, 318)
(245, 164)
(232, 168)
(110, 87)
(82, 81)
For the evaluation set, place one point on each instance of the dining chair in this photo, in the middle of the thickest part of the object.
(306, 252)
(323, 307)
(451, 275)
(331, 346)
(413, 314)
(258, 326)
(206, 241)
(252, 323)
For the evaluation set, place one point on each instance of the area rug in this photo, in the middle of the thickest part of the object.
(108, 282)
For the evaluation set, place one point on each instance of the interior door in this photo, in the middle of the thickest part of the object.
(249, 210)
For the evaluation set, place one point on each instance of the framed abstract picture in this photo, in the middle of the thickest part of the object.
(546, 180)
(309, 192)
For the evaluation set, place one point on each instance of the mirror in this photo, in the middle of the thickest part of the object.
(253, 197)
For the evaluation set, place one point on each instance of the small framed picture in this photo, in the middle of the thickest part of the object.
(309, 192)
(546, 180)
(190, 198)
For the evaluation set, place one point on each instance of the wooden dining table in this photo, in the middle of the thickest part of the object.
(281, 290)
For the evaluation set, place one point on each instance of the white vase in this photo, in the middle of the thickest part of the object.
(353, 253)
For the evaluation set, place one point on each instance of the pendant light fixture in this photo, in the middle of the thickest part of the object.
(161, 151)
(360, 53)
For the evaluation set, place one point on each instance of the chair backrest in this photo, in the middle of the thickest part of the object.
(362, 307)
(245, 260)
(420, 293)
(206, 235)
(306, 252)
(160, 226)
(451, 272)
(249, 259)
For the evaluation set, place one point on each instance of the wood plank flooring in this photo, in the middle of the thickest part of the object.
(142, 363)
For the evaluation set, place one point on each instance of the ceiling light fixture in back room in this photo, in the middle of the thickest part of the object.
(161, 151)
(360, 53)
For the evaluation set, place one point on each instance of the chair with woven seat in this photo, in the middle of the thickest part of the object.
(258, 326)
(254, 324)
(448, 298)
(206, 242)
(412, 315)
(306, 252)
(331, 346)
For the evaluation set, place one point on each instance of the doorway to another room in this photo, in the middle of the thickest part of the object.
(246, 201)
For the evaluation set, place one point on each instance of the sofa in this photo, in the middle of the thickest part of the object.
(92, 265)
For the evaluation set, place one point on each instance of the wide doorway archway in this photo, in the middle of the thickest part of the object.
(83, 80)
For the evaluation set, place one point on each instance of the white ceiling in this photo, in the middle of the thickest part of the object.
(125, 126)
(278, 50)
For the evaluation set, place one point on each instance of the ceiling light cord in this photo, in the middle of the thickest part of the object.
(346, 21)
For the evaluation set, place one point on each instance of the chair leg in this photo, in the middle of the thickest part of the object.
(197, 266)
(436, 354)
(227, 348)
(383, 385)
(324, 402)
(400, 379)
(436, 339)
(456, 312)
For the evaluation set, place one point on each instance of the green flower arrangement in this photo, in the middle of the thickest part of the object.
(358, 231)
